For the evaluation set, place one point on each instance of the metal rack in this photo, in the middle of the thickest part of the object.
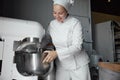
(117, 40)
(107, 40)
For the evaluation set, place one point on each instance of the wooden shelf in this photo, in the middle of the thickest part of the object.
(111, 66)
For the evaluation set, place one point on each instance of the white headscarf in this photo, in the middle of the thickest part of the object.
(65, 3)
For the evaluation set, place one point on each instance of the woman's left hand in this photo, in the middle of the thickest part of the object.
(51, 55)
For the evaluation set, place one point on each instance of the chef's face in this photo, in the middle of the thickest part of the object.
(59, 12)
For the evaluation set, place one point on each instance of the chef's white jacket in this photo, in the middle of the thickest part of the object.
(67, 38)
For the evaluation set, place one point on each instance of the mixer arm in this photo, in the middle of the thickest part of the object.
(46, 43)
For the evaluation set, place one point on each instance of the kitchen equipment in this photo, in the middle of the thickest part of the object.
(29, 56)
(19, 37)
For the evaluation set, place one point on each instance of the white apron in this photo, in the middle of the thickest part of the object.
(81, 73)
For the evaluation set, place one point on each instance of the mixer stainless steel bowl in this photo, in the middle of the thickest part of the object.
(28, 58)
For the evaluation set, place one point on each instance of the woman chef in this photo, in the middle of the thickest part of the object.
(66, 33)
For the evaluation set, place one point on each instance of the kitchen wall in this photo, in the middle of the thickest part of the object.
(37, 10)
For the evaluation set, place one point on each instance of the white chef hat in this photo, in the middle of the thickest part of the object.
(65, 3)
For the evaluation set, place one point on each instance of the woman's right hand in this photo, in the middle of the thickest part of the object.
(49, 56)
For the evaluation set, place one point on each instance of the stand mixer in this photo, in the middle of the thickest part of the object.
(12, 33)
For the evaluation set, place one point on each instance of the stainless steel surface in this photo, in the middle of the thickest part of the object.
(29, 39)
(28, 58)
(33, 64)
(29, 45)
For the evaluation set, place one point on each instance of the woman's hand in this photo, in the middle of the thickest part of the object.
(50, 56)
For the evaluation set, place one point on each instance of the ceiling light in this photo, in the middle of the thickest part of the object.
(109, 0)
